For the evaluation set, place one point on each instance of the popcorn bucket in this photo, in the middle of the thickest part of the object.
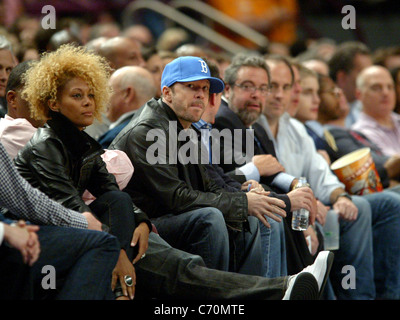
(358, 173)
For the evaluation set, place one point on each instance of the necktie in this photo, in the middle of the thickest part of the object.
(330, 140)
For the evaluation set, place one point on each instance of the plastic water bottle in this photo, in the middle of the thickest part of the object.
(331, 231)
(300, 217)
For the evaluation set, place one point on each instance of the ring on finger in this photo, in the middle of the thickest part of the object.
(128, 281)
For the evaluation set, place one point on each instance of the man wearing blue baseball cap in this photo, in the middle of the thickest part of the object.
(189, 210)
(186, 69)
(183, 75)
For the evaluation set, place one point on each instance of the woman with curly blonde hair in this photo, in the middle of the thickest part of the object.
(69, 89)
(54, 69)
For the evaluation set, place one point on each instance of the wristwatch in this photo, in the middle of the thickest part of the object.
(344, 194)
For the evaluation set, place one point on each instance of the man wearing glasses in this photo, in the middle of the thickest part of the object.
(368, 223)
(247, 87)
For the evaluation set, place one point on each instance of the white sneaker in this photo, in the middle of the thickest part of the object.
(319, 270)
(321, 267)
(302, 286)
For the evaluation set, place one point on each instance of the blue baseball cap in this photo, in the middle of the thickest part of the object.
(187, 69)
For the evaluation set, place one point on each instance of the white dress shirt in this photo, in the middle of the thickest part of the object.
(296, 151)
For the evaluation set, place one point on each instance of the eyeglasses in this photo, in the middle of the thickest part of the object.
(264, 89)
(336, 91)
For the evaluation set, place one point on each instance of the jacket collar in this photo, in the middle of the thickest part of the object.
(170, 113)
(77, 142)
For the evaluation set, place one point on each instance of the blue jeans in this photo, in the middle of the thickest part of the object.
(273, 249)
(204, 232)
(372, 245)
(355, 249)
(83, 261)
(386, 243)
(395, 189)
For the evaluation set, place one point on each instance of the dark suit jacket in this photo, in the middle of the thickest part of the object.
(225, 182)
(227, 119)
(297, 253)
(108, 137)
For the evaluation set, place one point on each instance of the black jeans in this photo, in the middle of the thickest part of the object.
(115, 209)
(166, 272)
(14, 275)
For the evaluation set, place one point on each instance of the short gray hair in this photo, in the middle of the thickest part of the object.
(245, 60)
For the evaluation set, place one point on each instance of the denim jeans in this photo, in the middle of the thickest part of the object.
(169, 273)
(273, 249)
(356, 250)
(371, 245)
(395, 189)
(386, 243)
(83, 261)
(203, 232)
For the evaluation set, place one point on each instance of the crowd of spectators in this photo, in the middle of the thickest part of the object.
(220, 229)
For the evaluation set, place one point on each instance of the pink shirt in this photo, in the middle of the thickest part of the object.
(15, 134)
(387, 140)
(119, 165)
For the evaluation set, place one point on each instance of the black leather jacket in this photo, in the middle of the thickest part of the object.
(167, 188)
(63, 162)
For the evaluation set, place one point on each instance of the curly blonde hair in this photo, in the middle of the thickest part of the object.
(44, 80)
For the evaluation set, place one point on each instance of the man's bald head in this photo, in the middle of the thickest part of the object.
(132, 87)
(376, 91)
(121, 52)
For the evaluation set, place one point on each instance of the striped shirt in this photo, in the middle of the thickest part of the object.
(28, 203)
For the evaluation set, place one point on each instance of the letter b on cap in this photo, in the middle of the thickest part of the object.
(203, 66)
